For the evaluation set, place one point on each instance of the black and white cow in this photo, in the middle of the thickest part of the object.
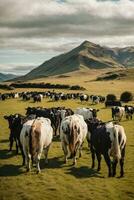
(108, 140)
(87, 113)
(73, 132)
(118, 112)
(37, 98)
(129, 111)
(84, 97)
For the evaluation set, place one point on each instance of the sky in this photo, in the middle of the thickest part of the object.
(33, 31)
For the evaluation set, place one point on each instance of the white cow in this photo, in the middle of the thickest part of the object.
(87, 113)
(35, 136)
(73, 131)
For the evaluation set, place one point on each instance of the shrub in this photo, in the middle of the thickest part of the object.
(126, 96)
(111, 97)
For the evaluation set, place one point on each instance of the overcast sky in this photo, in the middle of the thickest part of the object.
(32, 31)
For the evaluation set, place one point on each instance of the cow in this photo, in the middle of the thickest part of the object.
(87, 113)
(26, 97)
(73, 131)
(84, 97)
(35, 136)
(16, 122)
(129, 111)
(107, 139)
(118, 112)
(37, 98)
(15, 125)
(95, 99)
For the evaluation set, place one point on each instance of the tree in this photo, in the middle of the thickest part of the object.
(111, 97)
(126, 96)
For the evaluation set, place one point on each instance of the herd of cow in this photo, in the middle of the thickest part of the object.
(34, 132)
(54, 96)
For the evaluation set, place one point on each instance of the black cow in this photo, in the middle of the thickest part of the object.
(15, 126)
(16, 122)
(108, 140)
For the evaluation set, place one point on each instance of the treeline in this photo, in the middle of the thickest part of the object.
(6, 87)
(42, 85)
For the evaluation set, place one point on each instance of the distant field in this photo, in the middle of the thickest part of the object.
(63, 181)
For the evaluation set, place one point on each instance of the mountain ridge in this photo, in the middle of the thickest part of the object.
(6, 77)
(88, 55)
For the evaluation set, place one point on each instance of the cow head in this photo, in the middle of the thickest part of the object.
(14, 121)
(94, 112)
(92, 124)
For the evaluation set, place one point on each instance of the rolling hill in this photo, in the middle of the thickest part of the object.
(5, 77)
(88, 56)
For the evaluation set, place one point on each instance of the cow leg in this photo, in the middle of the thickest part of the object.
(99, 161)
(93, 157)
(79, 147)
(46, 154)
(122, 163)
(29, 162)
(64, 147)
(28, 158)
(17, 146)
(108, 162)
(11, 140)
(38, 163)
(22, 153)
(114, 164)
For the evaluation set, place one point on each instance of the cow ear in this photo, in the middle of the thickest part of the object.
(5, 117)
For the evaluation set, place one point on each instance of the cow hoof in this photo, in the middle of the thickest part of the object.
(38, 172)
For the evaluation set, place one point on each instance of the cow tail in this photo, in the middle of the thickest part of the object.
(33, 142)
(116, 145)
(73, 137)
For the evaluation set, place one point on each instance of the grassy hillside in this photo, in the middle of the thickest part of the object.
(63, 181)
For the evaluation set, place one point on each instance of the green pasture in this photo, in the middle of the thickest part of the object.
(59, 181)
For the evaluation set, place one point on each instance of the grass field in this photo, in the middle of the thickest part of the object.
(63, 181)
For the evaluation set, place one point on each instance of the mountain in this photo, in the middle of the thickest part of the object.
(89, 56)
(5, 77)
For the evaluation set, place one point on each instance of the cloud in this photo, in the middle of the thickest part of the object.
(16, 68)
(56, 26)
(31, 19)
